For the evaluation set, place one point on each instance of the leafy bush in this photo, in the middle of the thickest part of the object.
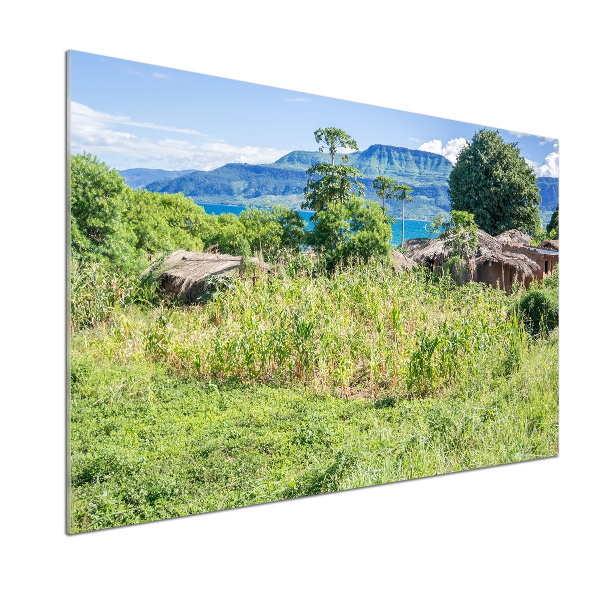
(353, 230)
(538, 308)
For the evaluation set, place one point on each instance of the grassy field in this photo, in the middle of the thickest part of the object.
(300, 385)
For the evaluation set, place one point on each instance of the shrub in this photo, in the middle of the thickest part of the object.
(539, 309)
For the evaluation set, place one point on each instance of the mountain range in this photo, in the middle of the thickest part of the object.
(283, 181)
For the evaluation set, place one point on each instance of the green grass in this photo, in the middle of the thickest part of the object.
(148, 443)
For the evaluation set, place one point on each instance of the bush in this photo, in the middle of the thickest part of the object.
(539, 309)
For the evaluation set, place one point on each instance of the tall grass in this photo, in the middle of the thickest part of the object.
(362, 330)
(97, 291)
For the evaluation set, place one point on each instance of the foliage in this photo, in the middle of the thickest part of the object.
(355, 230)
(385, 188)
(552, 228)
(463, 234)
(97, 291)
(436, 226)
(334, 139)
(332, 184)
(403, 193)
(97, 209)
(273, 230)
(492, 181)
(301, 386)
(112, 222)
(126, 227)
(329, 185)
(538, 306)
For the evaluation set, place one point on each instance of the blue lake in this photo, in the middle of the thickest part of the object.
(412, 229)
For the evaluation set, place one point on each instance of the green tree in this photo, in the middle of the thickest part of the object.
(334, 139)
(403, 192)
(331, 184)
(492, 181)
(385, 188)
(98, 227)
(552, 228)
(353, 230)
(461, 237)
(272, 230)
(436, 226)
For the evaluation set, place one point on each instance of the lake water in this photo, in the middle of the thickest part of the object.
(412, 229)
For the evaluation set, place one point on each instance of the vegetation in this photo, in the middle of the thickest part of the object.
(552, 228)
(346, 227)
(492, 181)
(331, 372)
(283, 181)
(538, 306)
(115, 224)
(300, 385)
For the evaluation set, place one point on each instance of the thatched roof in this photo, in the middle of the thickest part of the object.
(549, 245)
(488, 249)
(415, 244)
(183, 273)
(402, 262)
(514, 237)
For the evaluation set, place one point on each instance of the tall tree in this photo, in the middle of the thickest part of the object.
(403, 193)
(346, 226)
(385, 188)
(462, 238)
(492, 181)
(334, 139)
(331, 184)
(552, 228)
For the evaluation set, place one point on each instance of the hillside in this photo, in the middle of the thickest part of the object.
(138, 178)
(284, 180)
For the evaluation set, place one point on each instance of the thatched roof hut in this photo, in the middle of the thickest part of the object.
(183, 274)
(415, 244)
(514, 237)
(549, 245)
(402, 262)
(489, 253)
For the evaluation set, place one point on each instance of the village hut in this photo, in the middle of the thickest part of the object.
(184, 274)
(415, 244)
(549, 245)
(402, 262)
(514, 237)
(492, 263)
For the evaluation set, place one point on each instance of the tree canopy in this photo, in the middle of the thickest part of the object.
(552, 228)
(112, 222)
(355, 229)
(334, 139)
(492, 181)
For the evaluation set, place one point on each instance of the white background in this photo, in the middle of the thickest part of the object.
(521, 531)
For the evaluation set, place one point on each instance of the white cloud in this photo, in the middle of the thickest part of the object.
(84, 117)
(414, 140)
(297, 99)
(451, 150)
(550, 166)
(516, 133)
(158, 75)
(544, 140)
(98, 133)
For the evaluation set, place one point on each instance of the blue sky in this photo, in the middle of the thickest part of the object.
(133, 114)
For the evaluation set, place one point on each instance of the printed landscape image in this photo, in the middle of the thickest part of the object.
(275, 294)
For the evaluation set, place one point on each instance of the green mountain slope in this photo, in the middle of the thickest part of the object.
(137, 178)
(284, 180)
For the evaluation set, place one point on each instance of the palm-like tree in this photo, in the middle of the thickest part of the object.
(403, 193)
(385, 188)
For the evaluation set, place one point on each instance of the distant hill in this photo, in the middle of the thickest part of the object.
(137, 178)
(284, 180)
